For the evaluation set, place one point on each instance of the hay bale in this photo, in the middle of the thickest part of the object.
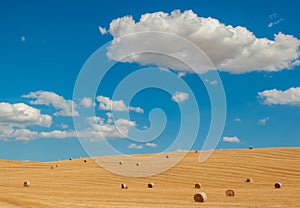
(70, 158)
(167, 156)
(278, 185)
(250, 147)
(121, 162)
(85, 161)
(198, 185)
(57, 166)
(150, 185)
(138, 164)
(200, 197)
(229, 192)
(249, 180)
(26, 184)
(124, 186)
(196, 151)
(52, 167)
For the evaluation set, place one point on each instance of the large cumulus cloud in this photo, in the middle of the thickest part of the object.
(231, 49)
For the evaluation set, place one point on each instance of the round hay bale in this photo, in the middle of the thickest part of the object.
(229, 192)
(138, 164)
(250, 147)
(52, 167)
(196, 151)
(121, 162)
(150, 185)
(200, 197)
(85, 161)
(70, 158)
(249, 180)
(198, 185)
(26, 184)
(167, 156)
(124, 186)
(57, 166)
(278, 185)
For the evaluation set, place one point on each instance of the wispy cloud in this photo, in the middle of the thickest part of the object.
(103, 30)
(180, 97)
(135, 146)
(105, 103)
(153, 145)
(231, 139)
(263, 121)
(290, 96)
(64, 107)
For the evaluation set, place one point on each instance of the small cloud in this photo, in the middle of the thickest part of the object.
(145, 127)
(271, 24)
(181, 150)
(134, 146)
(214, 82)
(181, 74)
(86, 102)
(231, 139)
(64, 126)
(153, 145)
(179, 97)
(272, 16)
(290, 96)
(263, 121)
(103, 30)
(23, 38)
(237, 120)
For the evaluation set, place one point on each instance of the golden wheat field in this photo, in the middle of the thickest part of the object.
(75, 183)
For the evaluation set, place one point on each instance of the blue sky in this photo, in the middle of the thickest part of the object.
(44, 45)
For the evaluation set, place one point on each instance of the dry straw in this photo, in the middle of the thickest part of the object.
(200, 197)
(229, 192)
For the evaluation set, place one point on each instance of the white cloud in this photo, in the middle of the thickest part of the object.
(16, 121)
(63, 106)
(103, 30)
(231, 139)
(134, 146)
(263, 121)
(181, 74)
(290, 96)
(237, 119)
(180, 97)
(23, 38)
(153, 145)
(213, 82)
(274, 20)
(64, 126)
(271, 24)
(231, 49)
(118, 105)
(86, 102)
(20, 114)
